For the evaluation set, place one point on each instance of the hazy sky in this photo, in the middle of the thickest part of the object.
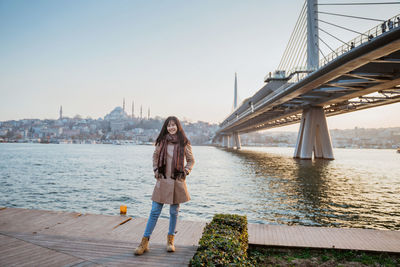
(176, 57)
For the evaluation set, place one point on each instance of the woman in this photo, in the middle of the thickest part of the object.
(172, 147)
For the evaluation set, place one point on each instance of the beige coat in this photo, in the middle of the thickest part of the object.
(171, 191)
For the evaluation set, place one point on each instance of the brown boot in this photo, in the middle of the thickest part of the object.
(143, 247)
(170, 243)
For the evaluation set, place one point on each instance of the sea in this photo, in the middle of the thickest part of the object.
(359, 189)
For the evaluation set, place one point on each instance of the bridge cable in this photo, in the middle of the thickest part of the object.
(301, 55)
(348, 16)
(326, 60)
(358, 4)
(341, 27)
(291, 41)
(303, 59)
(297, 45)
(292, 37)
(304, 48)
(328, 46)
(294, 41)
(333, 36)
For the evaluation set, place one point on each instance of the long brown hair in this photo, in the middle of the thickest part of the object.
(183, 140)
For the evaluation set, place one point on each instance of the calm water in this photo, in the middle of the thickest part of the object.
(361, 188)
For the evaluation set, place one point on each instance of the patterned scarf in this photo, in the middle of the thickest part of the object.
(177, 159)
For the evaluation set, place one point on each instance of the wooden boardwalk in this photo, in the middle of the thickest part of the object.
(53, 238)
(324, 237)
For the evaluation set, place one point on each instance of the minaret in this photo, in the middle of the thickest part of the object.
(141, 112)
(235, 99)
(148, 114)
(123, 105)
(133, 106)
(60, 112)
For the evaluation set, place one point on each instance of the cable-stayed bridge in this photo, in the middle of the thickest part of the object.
(362, 73)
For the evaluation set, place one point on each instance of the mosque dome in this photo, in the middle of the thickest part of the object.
(117, 114)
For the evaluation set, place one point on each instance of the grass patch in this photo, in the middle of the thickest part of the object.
(224, 242)
(269, 256)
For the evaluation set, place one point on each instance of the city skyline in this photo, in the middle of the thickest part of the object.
(177, 57)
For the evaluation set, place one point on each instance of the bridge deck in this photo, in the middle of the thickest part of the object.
(52, 238)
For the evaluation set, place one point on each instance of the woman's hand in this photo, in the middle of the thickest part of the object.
(186, 172)
(158, 175)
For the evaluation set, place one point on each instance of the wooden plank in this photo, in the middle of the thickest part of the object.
(101, 226)
(104, 251)
(93, 239)
(185, 233)
(25, 220)
(27, 254)
(156, 254)
(324, 237)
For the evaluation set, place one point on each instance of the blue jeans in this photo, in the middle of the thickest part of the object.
(155, 213)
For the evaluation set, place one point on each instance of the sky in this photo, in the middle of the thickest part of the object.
(176, 57)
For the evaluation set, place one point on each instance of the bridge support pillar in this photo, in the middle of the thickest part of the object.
(225, 140)
(236, 137)
(313, 136)
(230, 141)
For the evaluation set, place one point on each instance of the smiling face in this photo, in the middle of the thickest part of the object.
(171, 127)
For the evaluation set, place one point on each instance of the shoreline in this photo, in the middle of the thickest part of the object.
(211, 145)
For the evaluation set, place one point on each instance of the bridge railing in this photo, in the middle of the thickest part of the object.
(385, 26)
(298, 73)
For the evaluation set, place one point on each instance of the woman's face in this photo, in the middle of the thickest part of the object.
(171, 127)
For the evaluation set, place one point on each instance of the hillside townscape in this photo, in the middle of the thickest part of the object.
(118, 127)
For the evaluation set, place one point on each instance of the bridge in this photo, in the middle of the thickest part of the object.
(362, 73)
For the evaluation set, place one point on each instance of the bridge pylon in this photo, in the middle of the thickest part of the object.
(225, 141)
(231, 140)
(313, 136)
(236, 139)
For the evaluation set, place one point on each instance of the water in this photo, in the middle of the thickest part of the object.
(360, 188)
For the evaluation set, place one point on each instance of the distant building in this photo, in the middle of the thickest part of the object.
(117, 118)
(117, 114)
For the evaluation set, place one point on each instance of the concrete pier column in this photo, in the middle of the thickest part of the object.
(313, 136)
(236, 137)
(230, 141)
(220, 141)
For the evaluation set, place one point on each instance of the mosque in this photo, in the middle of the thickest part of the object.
(119, 118)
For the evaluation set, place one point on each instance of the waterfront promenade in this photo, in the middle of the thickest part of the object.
(55, 238)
